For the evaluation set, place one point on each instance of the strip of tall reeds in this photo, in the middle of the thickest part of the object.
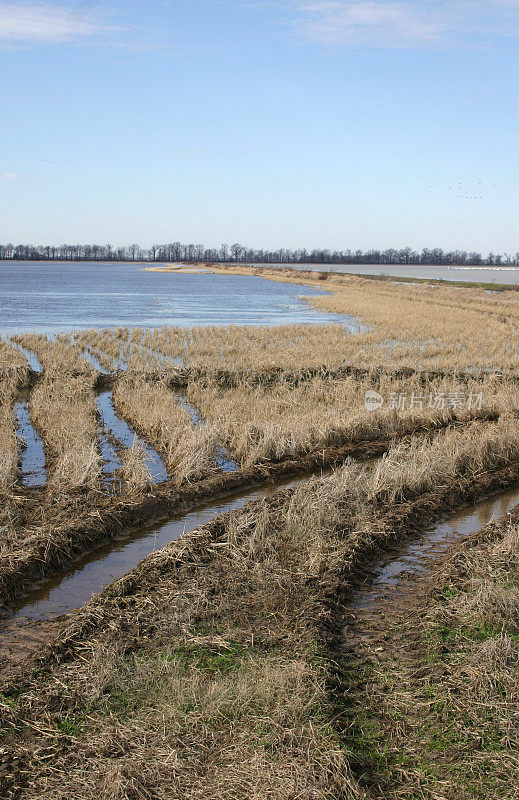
(60, 355)
(63, 407)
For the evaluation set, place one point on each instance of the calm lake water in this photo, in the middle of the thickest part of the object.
(50, 297)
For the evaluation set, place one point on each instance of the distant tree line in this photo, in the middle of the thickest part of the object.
(240, 254)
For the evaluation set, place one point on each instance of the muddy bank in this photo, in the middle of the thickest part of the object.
(102, 381)
(180, 377)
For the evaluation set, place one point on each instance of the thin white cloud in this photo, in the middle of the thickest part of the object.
(400, 23)
(24, 22)
(11, 176)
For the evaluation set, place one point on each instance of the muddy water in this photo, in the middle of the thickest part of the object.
(32, 454)
(95, 570)
(122, 432)
(414, 558)
(224, 459)
(111, 461)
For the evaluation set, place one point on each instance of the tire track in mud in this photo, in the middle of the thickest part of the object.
(395, 570)
(111, 517)
(32, 463)
(380, 643)
(104, 517)
(371, 598)
(403, 518)
(113, 428)
(95, 570)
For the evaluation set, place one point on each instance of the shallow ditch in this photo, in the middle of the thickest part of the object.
(415, 557)
(164, 361)
(93, 571)
(116, 427)
(111, 460)
(33, 612)
(31, 357)
(32, 452)
(93, 361)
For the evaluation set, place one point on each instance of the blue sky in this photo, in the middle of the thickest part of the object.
(275, 123)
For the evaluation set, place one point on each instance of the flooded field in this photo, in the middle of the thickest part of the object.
(207, 533)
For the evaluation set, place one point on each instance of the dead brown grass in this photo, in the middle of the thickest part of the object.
(11, 358)
(135, 473)
(132, 349)
(60, 355)
(9, 451)
(417, 326)
(14, 373)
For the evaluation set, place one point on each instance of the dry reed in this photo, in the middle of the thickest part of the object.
(9, 447)
(60, 355)
(135, 471)
(14, 370)
(418, 326)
